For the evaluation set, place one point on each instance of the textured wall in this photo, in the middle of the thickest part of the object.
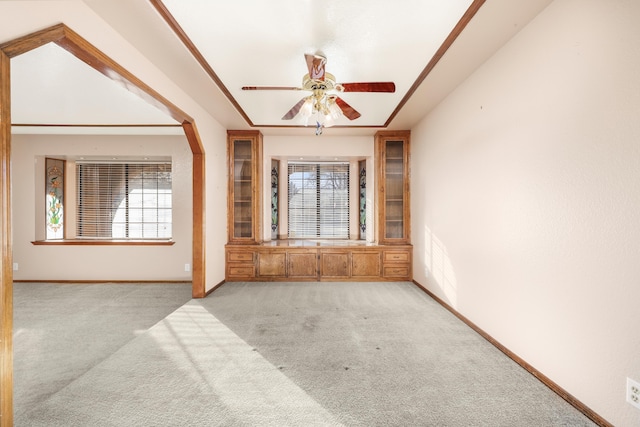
(525, 196)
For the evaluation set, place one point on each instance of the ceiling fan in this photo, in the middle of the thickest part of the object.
(319, 83)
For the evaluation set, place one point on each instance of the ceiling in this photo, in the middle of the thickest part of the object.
(213, 49)
(361, 40)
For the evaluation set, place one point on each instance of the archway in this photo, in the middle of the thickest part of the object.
(83, 50)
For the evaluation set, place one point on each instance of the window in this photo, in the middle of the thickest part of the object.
(318, 199)
(123, 200)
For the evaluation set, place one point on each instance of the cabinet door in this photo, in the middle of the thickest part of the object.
(244, 150)
(394, 199)
(392, 160)
(242, 189)
(302, 265)
(272, 264)
(365, 265)
(334, 265)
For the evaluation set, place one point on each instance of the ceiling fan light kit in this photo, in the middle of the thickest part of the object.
(327, 107)
(323, 107)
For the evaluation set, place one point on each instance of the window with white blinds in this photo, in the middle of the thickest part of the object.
(123, 200)
(318, 200)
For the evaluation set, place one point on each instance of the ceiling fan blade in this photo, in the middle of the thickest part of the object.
(315, 64)
(271, 88)
(294, 110)
(369, 87)
(348, 111)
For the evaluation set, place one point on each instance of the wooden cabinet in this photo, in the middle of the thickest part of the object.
(339, 263)
(392, 187)
(247, 258)
(240, 265)
(396, 263)
(244, 217)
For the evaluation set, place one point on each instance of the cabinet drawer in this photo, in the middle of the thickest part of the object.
(240, 256)
(241, 271)
(396, 271)
(396, 256)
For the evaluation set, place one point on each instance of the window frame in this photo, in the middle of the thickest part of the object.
(317, 211)
(125, 190)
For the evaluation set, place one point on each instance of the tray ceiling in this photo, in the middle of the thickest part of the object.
(258, 43)
(212, 49)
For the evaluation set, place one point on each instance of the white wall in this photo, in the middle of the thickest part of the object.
(97, 262)
(526, 196)
(214, 139)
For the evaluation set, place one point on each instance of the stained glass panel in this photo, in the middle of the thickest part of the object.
(55, 198)
(275, 165)
(362, 166)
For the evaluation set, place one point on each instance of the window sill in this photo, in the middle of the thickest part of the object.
(87, 242)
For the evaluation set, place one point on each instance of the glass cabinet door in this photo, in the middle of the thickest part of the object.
(394, 194)
(392, 186)
(245, 154)
(242, 191)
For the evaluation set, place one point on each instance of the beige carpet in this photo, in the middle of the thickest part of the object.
(280, 354)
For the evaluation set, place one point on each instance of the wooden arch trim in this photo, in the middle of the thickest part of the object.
(92, 56)
(6, 272)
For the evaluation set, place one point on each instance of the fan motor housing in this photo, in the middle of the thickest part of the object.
(329, 83)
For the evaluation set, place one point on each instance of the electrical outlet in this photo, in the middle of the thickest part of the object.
(15, 266)
(633, 392)
(187, 267)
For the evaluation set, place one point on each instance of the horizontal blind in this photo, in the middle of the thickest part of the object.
(318, 200)
(303, 201)
(124, 200)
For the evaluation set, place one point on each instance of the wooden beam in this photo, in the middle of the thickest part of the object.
(6, 272)
(93, 57)
(198, 271)
(32, 41)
